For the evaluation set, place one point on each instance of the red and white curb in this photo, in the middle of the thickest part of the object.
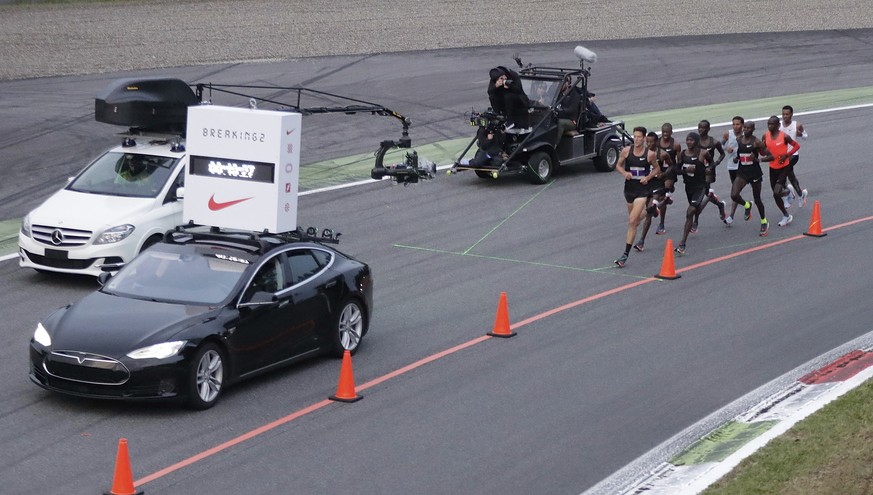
(807, 395)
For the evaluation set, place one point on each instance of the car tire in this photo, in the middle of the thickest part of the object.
(608, 156)
(349, 326)
(206, 377)
(541, 167)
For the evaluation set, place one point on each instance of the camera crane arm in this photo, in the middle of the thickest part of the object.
(355, 106)
(408, 174)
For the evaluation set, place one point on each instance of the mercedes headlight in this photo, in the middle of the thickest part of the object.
(25, 225)
(115, 234)
(41, 336)
(158, 351)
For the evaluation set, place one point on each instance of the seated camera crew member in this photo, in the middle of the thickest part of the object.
(490, 152)
(540, 94)
(593, 114)
(568, 109)
(508, 98)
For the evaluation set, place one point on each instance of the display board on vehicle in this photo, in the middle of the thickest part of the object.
(244, 168)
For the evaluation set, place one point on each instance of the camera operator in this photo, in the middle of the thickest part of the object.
(490, 142)
(507, 97)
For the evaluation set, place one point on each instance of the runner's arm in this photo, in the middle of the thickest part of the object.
(619, 166)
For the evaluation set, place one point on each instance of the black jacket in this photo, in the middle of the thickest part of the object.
(569, 105)
(510, 101)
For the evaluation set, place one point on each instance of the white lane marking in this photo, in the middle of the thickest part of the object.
(797, 114)
(443, 167)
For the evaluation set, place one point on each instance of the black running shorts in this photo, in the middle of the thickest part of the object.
(750, 173)
(633, 190)
(778, 176)
(695, 192)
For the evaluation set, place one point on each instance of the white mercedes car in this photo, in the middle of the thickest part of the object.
(117, 206)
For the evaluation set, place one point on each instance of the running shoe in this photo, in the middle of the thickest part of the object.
(748, 213)
(652, 210)
(803, 194)
(640, 246)
(721, 205)
(693, 228)
(785, 221)
(621, 261)
(788, 199)
(661, 230)
(728, 220)
(765, 227)
(680, 249)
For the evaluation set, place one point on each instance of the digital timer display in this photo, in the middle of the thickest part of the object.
(232, 169)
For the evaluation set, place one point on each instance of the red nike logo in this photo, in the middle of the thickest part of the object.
(215, 205)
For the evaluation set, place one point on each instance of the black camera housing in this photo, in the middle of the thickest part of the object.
(489, 120)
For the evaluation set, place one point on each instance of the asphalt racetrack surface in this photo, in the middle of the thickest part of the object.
(607, 365)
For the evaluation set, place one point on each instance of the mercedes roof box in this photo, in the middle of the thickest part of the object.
(147, 104)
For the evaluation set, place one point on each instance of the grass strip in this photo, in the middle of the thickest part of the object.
(827, 453)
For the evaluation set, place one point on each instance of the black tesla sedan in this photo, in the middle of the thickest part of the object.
(202, 310)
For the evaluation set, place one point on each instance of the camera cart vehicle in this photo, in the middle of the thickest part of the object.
(538, 151)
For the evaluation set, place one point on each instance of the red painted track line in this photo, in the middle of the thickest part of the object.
(234, 441)
(303, 412)
(429, 359)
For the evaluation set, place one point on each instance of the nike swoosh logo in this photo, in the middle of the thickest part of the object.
(288, 133)
(215, 205)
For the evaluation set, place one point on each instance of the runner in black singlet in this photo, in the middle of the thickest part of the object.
(668, 145)
(693, 162)
(657, 186)
(638, 165)
(710, 145)
(749, 151)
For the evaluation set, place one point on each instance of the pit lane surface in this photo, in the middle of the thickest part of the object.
(578, 394)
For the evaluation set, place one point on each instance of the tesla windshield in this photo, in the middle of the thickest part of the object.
(201, 275)
(125, 174)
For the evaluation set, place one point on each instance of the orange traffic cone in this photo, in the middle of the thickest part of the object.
(345, 390)
(668, 271)
(501, 323)
(122, 482)
(815, 222)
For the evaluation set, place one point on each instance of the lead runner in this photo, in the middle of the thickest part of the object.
(638, 165)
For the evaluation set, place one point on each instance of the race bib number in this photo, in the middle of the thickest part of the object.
(637, 173)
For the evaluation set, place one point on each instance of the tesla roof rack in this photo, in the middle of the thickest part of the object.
(254, 242)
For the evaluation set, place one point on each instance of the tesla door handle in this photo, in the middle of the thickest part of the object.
(330, 284)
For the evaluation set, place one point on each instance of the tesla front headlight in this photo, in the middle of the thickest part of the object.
(25, 225)
(115, 234)
(41, 336)
(158, 351)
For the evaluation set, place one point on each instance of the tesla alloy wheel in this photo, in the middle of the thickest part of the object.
(348, 327)
(206, 377)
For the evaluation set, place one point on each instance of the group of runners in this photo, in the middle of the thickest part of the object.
(652, 166)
